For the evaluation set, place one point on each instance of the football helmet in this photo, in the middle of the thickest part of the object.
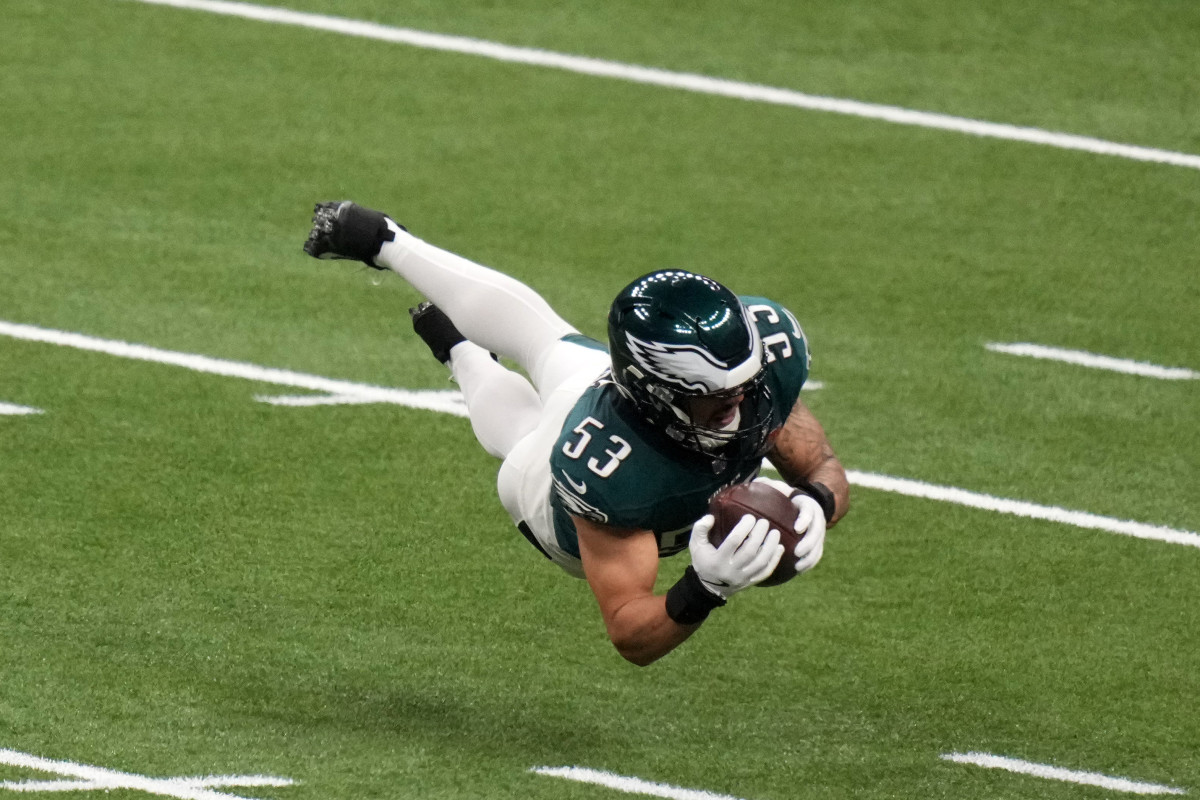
(676, 335)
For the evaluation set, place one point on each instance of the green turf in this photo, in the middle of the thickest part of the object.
(192, 582)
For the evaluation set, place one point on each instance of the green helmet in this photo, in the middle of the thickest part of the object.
(675, 335)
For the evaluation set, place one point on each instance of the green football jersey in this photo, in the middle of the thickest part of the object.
(611, 466)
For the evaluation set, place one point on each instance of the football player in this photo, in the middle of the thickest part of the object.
(612, 453)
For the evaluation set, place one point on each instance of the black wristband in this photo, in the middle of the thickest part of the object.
(688, 602)
(822, 494)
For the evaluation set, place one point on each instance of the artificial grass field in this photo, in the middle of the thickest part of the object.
(193, 582)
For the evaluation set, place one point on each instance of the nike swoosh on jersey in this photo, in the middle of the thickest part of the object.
(579, 487)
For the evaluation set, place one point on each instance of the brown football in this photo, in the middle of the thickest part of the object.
(730, 504)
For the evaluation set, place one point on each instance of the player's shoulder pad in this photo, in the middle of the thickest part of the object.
(783, 338)
(602, 468)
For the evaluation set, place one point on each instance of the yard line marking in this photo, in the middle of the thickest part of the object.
(1020, 508)
(10, 408)
(1086, 359)
(684, 81)
(193, 783)
(1059, 774)
(450, 402)
(51, 786)
(433, 401)
(235, 780)
(102, 779)
(625, 784)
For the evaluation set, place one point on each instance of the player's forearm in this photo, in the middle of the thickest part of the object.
(803, 453)
(643, 633)
(826, 470)
(832, 475)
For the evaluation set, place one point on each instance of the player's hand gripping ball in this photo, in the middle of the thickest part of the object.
(761, 500)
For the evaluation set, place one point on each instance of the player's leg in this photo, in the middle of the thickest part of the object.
(503, 407)
(524, 481)
(492, 310)
(510, 422)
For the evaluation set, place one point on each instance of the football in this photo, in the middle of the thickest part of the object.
(730, 504)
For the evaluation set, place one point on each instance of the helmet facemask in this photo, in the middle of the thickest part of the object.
(742, 436)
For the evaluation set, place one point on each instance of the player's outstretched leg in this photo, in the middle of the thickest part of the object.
(347, 230)
(502, 405)
(436, 330)
(492, 310)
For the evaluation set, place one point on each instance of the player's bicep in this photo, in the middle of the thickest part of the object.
(621, 564)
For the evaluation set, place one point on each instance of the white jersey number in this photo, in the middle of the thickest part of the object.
(781, 340)
(615, 457)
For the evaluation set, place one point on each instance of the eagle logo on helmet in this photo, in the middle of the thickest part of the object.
(684, 365)
(692, 368)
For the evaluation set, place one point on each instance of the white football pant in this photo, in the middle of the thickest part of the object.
(512, 419)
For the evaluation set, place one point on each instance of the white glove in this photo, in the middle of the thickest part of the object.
(748, 555)
(810, 525)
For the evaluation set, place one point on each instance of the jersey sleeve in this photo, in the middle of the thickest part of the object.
(590, 463)
(603, 469)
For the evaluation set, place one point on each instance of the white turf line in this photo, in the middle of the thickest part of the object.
(1020, 508)
(9, 408)
(451, 396)
(100, 778)
(1059, 774)
(1085, 359)
(626, 784)
(338, 391)
(446, 402)
(683, 81)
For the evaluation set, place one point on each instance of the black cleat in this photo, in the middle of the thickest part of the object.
(436, 330)
(347, 230)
